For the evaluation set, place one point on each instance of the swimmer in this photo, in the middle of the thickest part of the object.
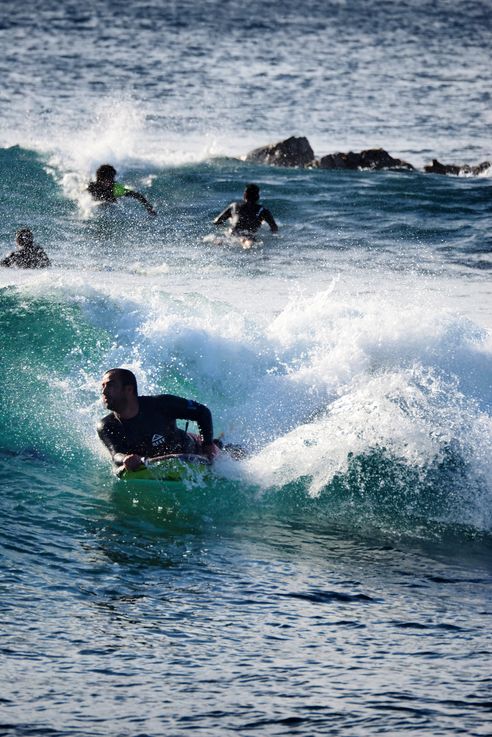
(28, 255)
(106, 189)
(247, 216)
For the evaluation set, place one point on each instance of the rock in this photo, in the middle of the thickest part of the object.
(372, 158)
(297, 151)
(437, 168)
(291, 152)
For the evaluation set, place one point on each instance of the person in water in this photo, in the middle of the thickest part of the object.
(141, 426)
(247, 216)
(106, 189)
(28, 255)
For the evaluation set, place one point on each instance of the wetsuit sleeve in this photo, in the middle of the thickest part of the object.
(119, 190)
(8, 260)
(101, 192)
(179, 408)
(42, 260)
(267, 216)
(140, 198)
(224, 215)
(113, 441)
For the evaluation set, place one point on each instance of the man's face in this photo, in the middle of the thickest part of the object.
(114, 393)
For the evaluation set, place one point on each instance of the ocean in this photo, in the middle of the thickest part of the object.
(336, 580)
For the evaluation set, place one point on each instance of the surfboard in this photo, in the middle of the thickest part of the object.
(172, 467)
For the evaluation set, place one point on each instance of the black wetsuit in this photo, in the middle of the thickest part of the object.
(153, 432)
(246, 217)
(101, 191)
(28, 257)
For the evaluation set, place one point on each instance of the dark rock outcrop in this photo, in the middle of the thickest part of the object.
(372, 158)
(437, 168)
(297, 152)
(291, 152)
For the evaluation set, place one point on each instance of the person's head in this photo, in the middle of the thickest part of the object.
(251, 193)
(24, 238)
(106, 173)
(119, 389)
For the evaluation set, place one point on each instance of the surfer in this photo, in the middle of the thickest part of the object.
(106, 189)
(247, 216)
(141, 426)
(28, 255)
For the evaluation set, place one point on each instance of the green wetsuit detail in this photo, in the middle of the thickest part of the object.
(119, 190)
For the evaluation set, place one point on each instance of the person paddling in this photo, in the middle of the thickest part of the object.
(107, 189)
(28, 255)
(247, 216)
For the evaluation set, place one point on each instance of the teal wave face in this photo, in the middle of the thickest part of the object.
(443, 498)
(45, 345)
(27, 193)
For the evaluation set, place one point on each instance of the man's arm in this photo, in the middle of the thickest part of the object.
(142, 199)
(114, 443)
(7, 261)
(186, 409)
(43, 260)
(224, 215)
(267, 216)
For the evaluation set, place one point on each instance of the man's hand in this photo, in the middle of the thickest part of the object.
(132, 462)
(210, 450)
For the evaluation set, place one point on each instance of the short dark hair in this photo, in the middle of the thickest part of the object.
(106, 171)
(126, 377)
(252, 192)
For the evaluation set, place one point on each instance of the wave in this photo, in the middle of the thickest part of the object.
(337, 401)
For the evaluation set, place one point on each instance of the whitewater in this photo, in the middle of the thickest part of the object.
(336, 580)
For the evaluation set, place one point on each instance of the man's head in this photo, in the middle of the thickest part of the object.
(251, 193)
(119, 390)
(106, 172)
(24, 238)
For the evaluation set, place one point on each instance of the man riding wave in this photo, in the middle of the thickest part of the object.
(141, 427)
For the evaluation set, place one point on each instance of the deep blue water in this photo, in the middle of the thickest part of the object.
(337, 581)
